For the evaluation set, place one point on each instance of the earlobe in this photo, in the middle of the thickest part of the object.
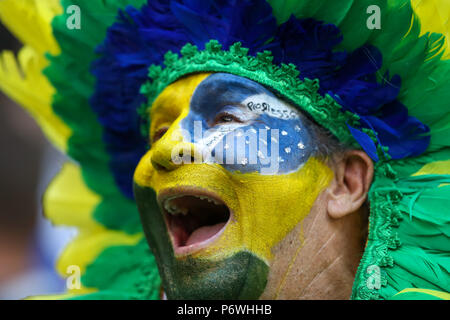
(351, 183)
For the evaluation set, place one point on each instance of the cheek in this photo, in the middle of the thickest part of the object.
(269, 146)
(273, 205)
(144, 171)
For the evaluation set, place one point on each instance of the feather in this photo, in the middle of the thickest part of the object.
(434, 18)
(365, 142)
(21, 78)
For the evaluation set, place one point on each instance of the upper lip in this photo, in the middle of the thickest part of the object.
(179, 221)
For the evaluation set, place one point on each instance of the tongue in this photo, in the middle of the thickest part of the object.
(204, 233)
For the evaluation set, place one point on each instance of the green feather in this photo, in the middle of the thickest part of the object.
(69, 74)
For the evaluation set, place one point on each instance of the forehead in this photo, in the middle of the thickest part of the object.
(206, 92)
(222, 88)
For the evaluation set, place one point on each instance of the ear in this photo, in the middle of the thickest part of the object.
(351, 183)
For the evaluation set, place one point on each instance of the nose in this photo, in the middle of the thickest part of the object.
(168, 154)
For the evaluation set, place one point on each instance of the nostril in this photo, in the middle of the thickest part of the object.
(159, 133)
(167, 156)
(181, 155)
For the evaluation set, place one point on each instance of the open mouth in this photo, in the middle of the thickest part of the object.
(194, 220)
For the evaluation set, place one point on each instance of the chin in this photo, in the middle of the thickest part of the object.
(241, 276)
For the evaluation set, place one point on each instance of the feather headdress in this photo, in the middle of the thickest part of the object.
(385, 91)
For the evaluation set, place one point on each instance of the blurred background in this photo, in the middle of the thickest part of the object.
(29, 244)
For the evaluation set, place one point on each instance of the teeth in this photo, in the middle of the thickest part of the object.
(174, 210)
(208, 199)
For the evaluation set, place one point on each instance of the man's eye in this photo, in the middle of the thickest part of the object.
(225, 117)
(159, 133)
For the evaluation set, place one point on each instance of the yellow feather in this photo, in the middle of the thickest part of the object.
(434, 17)
(437, 167)
(21, 79)
(89, 244)
(30, 21)
(68, 201)
(439, 294)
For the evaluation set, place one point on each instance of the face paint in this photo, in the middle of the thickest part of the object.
(217, 223)
(247, 127)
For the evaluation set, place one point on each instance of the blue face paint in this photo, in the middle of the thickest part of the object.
(243, 126)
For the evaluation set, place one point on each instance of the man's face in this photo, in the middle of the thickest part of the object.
(230, 172)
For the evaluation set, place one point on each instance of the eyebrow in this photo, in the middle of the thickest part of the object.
(156, 108)
(247, 85)
(231, 104)
(161, 104)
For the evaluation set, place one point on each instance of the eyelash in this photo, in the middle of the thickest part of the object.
(219, 119)
(159, 134)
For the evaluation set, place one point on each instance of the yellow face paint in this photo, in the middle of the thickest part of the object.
(265, 208)
(172, 105)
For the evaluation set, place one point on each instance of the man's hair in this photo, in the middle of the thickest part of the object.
(328, 146)
(330, 149)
